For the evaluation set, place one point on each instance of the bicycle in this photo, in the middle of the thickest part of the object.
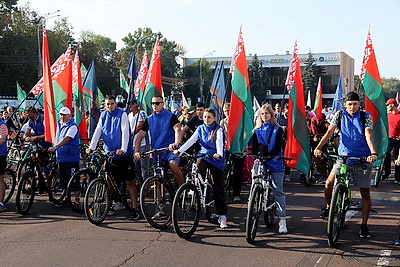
(341, 199)
(194, 195)
(39, 172)
(10, 182)
(98, 196)
(157, 193)
(261, 198)
(228, 181)
(379, 167)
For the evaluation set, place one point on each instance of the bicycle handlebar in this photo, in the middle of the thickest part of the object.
(156, 151)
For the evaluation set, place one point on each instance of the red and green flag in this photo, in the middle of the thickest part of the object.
(153, 80)
(184, 101)
(297, 146)
(50, 126)
(318, 100)
(79, 114)
(21, 96)
(241, 114)
(141, 80)
(375, 99)
(122, 82)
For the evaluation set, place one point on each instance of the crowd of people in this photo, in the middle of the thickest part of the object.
(198, 131)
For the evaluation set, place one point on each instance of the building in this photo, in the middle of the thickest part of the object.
(277, 66)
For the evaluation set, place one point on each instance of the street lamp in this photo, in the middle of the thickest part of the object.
(201, 76)
(42, 21)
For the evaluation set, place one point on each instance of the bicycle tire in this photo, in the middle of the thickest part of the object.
(25, 193)
(186, 210)
(211, 208)
(337, 212)
(54, 189)
(97, 201)
(379, 171)
(254, 210)
(156, 210)
(10, 182)
(25, 166)
(75, 197)
(269, 214)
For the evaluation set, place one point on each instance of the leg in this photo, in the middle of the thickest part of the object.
(2, 188)
(328, 189)
(145, 162)
(238, 164)
(178, 176)
(132, 193)
(280, 199)
(366, 204)
(217, 177)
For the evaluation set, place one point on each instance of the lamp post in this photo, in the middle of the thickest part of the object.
(201, 76)
(42, 21)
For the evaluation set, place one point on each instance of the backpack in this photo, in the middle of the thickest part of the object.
(362, 118)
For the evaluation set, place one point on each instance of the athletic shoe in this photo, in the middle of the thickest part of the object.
(2, 207)
(222, 221)
(135, 215)
(325, 214)
(397, 242)
(62, 204)
(111, 211)
(118, 206)
(364, 232)
(282, 226)
(286, 178)
(159, 216)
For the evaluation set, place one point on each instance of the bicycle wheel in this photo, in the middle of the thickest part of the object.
(254, 210)
(378, 171)
(97, 201)
(156, 203)
(211, 211)
(54, 189)
(186, 210)
(25, 166)
(25, 193)
(10, 182)
(337, 212)
(76, 190)
(271, 209)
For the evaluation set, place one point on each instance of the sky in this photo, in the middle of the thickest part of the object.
(269, 27)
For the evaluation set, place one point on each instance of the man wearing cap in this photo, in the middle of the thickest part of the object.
(394, 138)
(66, 146)
(355, 140)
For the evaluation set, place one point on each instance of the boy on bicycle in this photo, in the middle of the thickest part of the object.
(355, 140)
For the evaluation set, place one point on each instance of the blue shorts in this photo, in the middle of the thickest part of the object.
(169, 156)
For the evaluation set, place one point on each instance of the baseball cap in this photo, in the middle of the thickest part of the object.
(391, 101)
(65, 111)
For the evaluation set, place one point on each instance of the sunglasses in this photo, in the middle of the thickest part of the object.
(156, 103)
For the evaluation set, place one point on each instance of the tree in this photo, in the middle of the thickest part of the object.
(311, 75)
(258, 79)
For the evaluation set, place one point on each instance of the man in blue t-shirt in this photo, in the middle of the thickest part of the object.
(355, 140)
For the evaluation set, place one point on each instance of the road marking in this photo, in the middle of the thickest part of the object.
(320, 258)
(382, 261)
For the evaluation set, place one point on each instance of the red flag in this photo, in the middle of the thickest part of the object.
(48, 96)
(62, 84)
(79, 102)
(318, 100)
(297, 146)
(141, 79)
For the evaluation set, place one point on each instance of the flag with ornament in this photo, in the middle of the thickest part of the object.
(318, 100)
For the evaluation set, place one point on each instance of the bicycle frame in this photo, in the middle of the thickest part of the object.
(262, 176)
(200, 183)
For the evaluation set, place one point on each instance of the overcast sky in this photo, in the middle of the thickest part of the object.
(269, 27)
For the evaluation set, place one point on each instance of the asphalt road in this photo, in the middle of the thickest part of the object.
(50, 236)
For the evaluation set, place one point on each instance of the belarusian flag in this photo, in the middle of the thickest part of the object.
(50, 125)
(374, 99)
(241, 114)
(122, 82)
(318, 100)
(297, 147)
(140, 82)
(21, 98)
(153, 80)
(79, 114)
(184, 101)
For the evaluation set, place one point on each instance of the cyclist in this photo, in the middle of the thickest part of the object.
(35, 127)
(192, 125)
(66, 147)
(3, 161)
(355, 140)
(394, 139)
(267, 141)
(211, 138)
(113, 127)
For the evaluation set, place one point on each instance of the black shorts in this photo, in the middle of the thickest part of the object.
(122, 168)
(3, 164)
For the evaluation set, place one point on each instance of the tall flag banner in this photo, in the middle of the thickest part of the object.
(21, 96)
(338, 98)
(90, 84)
(397, 97)
(50, 125)
(241, 114)
(172, 104)
(131, 73)
(62, 84)
(297, 147)
(100, 96)
(375, 99)
(123, 83)
(140, 82)
(218, 87)
(256, 105)
(318, 100)
(153, 80)
(87, 95)
(79, 114)
(184, 101)
(309, 99)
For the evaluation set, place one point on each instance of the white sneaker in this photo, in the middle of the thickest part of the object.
(222, 221)
(286, 178)
(118, 206)
(282, 226)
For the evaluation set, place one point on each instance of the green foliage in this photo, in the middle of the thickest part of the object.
(390, 86)
(192, 73)
(258, 78)
(311, 75)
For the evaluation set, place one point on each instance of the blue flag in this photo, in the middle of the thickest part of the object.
(90, 85)
(132, 75)
(218, 89)
(338, 99)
